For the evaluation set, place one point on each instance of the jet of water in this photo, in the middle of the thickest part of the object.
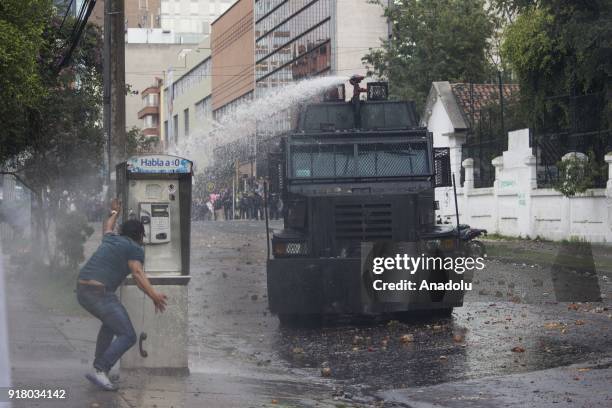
(239, 124)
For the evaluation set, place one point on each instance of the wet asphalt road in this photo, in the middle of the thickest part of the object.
(512, 306)
(239, 355)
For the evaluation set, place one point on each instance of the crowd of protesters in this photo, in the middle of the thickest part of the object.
(247, 205)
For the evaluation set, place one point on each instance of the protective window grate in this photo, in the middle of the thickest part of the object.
(359, 160)
(297, 248)
(363, 222)
(442, 168)
(392, 159)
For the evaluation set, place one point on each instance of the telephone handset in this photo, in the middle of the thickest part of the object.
(156, 220)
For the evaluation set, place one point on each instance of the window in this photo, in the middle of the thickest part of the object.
(149, 121)
(175, 129)
(151, 100)
(165, 129)
(392, 159)
(186, 121)
(371, 160)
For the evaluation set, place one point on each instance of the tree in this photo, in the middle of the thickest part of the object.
(22, 24)
(60, 151)
(138, 143)
(561, 53)
(432, 40)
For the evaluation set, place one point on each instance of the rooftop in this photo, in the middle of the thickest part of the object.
(471, 98)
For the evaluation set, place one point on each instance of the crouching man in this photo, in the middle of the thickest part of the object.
(117, 257)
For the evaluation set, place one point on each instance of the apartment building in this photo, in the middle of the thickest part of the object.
(186, 102)
(297, 39)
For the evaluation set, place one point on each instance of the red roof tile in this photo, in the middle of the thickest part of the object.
(473, 97)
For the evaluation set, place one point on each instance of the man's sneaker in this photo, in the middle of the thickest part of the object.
(100, 379)
(114, 377)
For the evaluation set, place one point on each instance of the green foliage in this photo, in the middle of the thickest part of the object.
(51, 122)
(576, 174)
(139, 143)
(22, 24)
(432, 40)
(71, 232)
(560, 48)
(66, 137)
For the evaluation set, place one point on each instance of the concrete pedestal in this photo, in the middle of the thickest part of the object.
(166, 333)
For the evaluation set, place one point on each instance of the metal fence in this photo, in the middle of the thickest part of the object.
(485, 141)
(574, 123)
(549, 148)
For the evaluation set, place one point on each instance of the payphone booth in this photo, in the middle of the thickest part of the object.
(156, 189)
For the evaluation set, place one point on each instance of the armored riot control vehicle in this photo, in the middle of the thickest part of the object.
(357, 181)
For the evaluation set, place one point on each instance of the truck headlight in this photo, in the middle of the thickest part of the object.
(283, 249)
(445, 244)
(432, 245)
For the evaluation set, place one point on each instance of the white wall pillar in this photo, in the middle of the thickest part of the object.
(498, 163)
(608, 159)
(527, 222)
(468, 186)
(468, 182)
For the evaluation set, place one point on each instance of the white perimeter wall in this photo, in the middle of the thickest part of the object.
(514, 206)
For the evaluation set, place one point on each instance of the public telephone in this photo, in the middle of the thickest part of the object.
(156, 189)
(156, 220)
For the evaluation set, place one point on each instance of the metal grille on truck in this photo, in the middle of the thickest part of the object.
(363, 222)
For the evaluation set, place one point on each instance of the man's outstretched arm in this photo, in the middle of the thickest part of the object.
(109, 225)
(159, 299)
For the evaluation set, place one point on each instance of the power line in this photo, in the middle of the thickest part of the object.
(86, 9)
(65, 15)
(143, 73)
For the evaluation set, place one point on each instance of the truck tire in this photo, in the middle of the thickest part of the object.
(446, 312)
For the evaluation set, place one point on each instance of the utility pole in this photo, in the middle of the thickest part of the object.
(114, 84)
(106, 94)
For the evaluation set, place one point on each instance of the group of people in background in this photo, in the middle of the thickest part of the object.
(248, 205)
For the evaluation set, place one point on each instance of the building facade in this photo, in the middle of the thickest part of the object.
(149, 114)
(186, 99)
(143, 63)
(138, 13)
(233, 84)
(159, 34)
(189, 16)
(298, 39)
(301, 39)
(232, 42)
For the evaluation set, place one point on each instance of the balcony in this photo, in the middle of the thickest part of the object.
(148, 110)
(154, 90)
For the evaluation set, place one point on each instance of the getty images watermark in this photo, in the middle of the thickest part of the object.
(384, 266)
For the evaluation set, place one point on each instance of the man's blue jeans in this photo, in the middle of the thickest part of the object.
(115, 323)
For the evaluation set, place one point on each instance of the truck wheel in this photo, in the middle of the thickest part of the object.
(446, 312)
(287, 320)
